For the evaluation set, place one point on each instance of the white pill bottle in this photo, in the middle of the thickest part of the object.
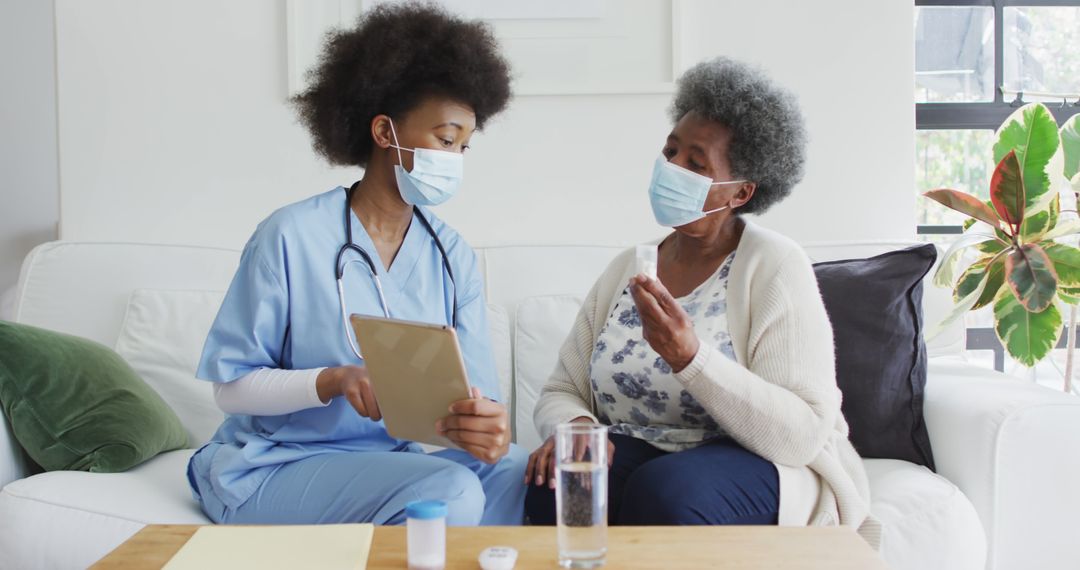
(426, 521)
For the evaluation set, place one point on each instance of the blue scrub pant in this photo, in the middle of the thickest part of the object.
(718, 483)
(375, 486)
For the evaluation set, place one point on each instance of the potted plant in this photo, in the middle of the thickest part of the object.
(1022, 268)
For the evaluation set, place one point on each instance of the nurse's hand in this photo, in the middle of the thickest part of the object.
(353, 383)
(480, 426)
(541, 467)
(665, 325)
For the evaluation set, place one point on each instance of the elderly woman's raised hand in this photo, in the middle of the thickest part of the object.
(666, 326)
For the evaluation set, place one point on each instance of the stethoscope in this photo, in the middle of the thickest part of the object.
(339, 269)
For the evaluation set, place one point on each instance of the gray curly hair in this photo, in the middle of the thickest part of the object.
(768, 144)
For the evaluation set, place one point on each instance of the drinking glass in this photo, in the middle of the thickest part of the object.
(581, 476)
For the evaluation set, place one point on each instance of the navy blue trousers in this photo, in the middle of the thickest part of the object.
(717, 483)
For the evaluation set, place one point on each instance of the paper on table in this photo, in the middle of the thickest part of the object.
(269, 547)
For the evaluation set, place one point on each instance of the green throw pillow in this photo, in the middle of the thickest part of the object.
(74, 404)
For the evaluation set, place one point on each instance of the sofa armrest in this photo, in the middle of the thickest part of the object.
(1013, 448)
(12, 459)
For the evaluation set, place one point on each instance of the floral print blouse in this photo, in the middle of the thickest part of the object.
(635, 391)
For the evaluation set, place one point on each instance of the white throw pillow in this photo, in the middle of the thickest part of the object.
(162, 338)
(499, 328)
(541, 327)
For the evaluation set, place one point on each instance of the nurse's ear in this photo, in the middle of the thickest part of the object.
(381, 133)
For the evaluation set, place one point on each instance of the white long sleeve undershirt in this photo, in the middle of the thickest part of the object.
(270, 392)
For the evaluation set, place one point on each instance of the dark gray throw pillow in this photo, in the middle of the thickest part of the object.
(875, 306)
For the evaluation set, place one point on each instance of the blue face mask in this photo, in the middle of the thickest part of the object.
(434, 178)
(678, 195)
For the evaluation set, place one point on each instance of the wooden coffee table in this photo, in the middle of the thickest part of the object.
(790, 548)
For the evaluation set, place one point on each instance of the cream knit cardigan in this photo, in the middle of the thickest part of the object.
(778, 399)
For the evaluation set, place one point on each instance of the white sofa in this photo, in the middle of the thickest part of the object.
(1008, 453)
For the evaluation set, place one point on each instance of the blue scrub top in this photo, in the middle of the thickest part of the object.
(282, 311)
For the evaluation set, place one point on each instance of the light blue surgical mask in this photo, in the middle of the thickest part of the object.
(678, 195)
(435, 175)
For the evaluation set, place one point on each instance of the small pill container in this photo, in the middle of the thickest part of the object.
(647, 257)
(426, 521)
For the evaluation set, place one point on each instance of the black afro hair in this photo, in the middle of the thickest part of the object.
(397, 55)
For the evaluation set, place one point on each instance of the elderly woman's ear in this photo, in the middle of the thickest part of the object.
(744, 194)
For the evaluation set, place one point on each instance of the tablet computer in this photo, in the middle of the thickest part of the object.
(416, 371)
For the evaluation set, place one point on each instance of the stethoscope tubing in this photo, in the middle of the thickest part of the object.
(349, 245)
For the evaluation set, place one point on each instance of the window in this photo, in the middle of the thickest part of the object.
(975, 62)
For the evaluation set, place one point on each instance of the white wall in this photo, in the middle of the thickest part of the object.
(29, 191)
(174, 127)
(852, 64)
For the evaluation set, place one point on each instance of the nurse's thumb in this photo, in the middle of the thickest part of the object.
(475, 392)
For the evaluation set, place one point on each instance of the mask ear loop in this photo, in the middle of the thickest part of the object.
(397, 143)
(721, 184)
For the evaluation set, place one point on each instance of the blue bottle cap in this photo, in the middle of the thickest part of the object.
(425, 510)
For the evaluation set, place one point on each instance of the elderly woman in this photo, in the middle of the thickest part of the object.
(716, 379)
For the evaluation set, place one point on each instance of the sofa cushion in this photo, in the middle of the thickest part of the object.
(875, 306)
(70, 519)
(75, 404)
(542, 324)
(162, 338)
(502, 348)
(926, 521)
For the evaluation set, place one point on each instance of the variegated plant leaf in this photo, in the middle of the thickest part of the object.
(975, 274)
(1042, 217)
(1032, 133)
(1027, 336)
(946, 271)
(1066, 228)
(1070, 146)
(1031, 276)
(965, 204)
(1070, 296)
(1007, 192)
(1066, 260)
(960, 309)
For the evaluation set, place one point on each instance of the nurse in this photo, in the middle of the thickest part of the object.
(400, 96)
